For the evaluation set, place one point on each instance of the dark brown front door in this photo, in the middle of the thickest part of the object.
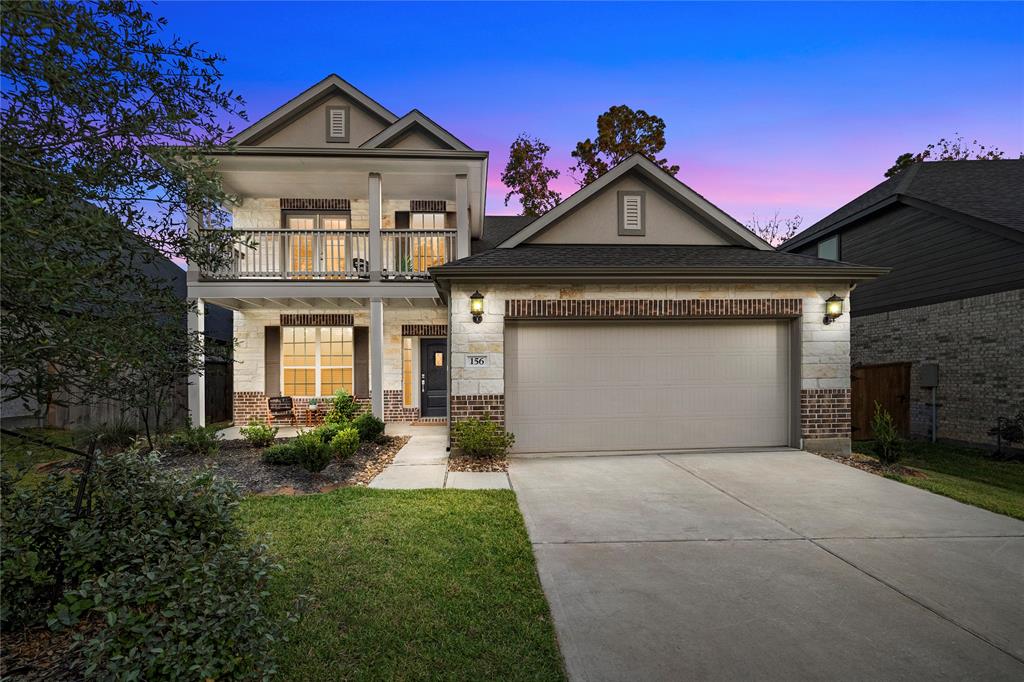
(887, 384)
(433, 377)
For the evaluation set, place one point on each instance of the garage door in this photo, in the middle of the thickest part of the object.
(580, 387)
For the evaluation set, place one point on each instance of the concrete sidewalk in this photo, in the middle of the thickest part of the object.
(423, 463)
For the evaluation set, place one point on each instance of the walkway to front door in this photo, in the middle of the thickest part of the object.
(768, 565)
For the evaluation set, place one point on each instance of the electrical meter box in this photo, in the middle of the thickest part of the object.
(928, 375)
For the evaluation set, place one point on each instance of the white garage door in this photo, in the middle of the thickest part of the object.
(580, 387)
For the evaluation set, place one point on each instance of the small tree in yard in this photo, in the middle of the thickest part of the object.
(526, 175)
(887, 438)
(621, 132)
(94, 197)
(775, 230)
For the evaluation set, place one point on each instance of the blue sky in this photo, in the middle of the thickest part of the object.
(795, 107)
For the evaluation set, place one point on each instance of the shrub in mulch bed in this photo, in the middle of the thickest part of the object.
(244, 464)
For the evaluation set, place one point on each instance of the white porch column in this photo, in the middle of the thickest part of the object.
(462, 214)
(193, 222)
(377, 357)
(376, 204)
(197, 381)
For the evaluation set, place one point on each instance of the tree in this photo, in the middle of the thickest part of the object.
(955, 149)
(526, 175)
(621, 132)
(94, 97)
(775, 230)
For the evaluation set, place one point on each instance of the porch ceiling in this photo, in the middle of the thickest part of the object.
(313, 296)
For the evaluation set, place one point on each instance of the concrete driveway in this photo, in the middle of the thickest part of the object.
(769, 565)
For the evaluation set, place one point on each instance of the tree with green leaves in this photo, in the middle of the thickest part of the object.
(955, 149)
(104, 128)
(526, 175)
(621, 132)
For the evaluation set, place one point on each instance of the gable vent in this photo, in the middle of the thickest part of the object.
(631, 213)
(337, 124)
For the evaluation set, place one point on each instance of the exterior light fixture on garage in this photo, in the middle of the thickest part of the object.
(833, 309)
(476, 306)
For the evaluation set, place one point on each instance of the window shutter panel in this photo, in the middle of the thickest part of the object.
(632, 216)
(361, 362)
(401, 220)
(272, 361)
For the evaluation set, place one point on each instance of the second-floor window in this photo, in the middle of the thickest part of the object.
(311, 252)
(829, 248)
(427, 221)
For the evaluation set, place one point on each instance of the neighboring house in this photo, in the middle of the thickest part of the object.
(218, 401)
(953, 234)
(634, 316)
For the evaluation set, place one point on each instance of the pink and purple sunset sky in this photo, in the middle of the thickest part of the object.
(792, 107)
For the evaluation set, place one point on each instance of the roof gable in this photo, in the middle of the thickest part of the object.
(677, 214)
(415, 130)
(288, 124)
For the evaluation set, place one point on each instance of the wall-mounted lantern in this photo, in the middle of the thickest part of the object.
(476, 306)
(833, 309)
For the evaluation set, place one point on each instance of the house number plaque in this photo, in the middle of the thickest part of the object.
(476, 361)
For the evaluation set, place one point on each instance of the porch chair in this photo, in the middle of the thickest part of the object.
(281, 410)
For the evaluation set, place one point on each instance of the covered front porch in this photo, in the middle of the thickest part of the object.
(306, 340)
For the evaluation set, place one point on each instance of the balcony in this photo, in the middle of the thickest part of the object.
(338, 255)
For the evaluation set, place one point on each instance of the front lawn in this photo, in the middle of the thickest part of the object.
(965, 474)
(407, 585)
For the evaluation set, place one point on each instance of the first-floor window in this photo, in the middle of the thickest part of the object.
(408, 379)
(316, 361)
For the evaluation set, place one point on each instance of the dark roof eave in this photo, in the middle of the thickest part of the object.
(779, 274)
(351, 152)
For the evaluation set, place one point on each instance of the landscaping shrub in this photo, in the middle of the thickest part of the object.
(327, 432)
(196, 440)
(118, 435)
(158, 579)
(345, 443)
(482, 438)
(343, 408)
(370, 428)
(258, 434)
(311, 452)
(888, 445)
(281, 453)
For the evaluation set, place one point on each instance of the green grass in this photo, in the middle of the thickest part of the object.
(15, 452)
(407, 585)
(965, 474)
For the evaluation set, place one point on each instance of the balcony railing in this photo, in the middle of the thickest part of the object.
(334, 254)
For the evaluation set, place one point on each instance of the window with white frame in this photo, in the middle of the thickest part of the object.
(316, 361)
(426, 221)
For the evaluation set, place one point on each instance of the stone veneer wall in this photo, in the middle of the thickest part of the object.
(250, 367)
(978, 344)
(825, 350)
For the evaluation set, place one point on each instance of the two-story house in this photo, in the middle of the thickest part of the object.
(635, 316)
(936, 342)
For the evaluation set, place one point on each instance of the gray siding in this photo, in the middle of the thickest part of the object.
(934, 259)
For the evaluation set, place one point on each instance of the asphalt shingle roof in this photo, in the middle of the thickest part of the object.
(635, 256)
(989, 190)
(498, 228)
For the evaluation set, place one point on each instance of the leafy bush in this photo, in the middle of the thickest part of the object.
(159, 571)
(311, 452)
(196, 440)
(327, 432)
(370, 428)
(343, 408)
(482, 438)
(887, 438)
(258, 434)
(345, 443)
(281, 453)
(118, 435)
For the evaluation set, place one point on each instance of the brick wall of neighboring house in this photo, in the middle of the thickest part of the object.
(978, 344)
(824, 352)
(250, 364)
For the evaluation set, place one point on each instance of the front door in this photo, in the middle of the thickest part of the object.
(433, 377)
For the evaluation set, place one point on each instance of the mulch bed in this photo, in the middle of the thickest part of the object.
(459, 462)
(872, 465)
(243, 464)
(41, 654)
